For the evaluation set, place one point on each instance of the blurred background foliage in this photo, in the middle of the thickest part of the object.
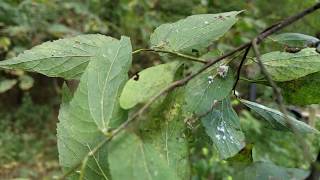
(29, 102)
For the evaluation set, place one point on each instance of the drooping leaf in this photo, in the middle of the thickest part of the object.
(223, 127)
(284, 66)
(193, 32)
(268, 170)
(276, 119)
(66, 58)
(207, 87)
(147, 83)
(107, 76)
(295, 39)
(302, 91)
(158, 150)
(78, 130)
(7, 84)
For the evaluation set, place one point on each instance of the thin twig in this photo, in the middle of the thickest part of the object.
(191, 58)
(183, 81)
(279, 100)
(244, 57)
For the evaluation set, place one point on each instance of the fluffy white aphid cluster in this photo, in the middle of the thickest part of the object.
(223, 71)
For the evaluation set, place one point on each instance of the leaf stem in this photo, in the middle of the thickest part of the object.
(191, 58)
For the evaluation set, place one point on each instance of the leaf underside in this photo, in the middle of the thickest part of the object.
(277, 119)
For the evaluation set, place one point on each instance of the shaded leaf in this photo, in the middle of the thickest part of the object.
(302, 91)
(66, 58)
(284, 66)
(193, 32)
(7, 84)
(223, 127)
(166, 131)
(207, 87)
(276, 119)
(150, 82)
(131, 158)
(158, 150)
(267, 171)
(295, 39)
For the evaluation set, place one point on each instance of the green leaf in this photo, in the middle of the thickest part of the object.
(149, 83)
(284, 66)
(277, 119)
(223, 127)
(7, 84)
(193, 32)
(295, 39)
(202, 92)
(158, 149)
(78, 130)
(267, 171)
(78, 134)
(131, 158)
(107, 77)
(66, 58)
(302, 91)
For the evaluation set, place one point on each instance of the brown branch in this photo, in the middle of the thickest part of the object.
(279, 100)
(179, 83)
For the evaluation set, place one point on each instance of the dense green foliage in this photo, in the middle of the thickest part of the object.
(191, 132)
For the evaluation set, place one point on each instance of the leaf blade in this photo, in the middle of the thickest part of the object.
(78, 130)
(150, 82)
(202, 93)
(277, 119)
(222, 125)
(107, 76)
(66, 58)
(295, 39)
(284, 66)
(188, 33)
(158, 148)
